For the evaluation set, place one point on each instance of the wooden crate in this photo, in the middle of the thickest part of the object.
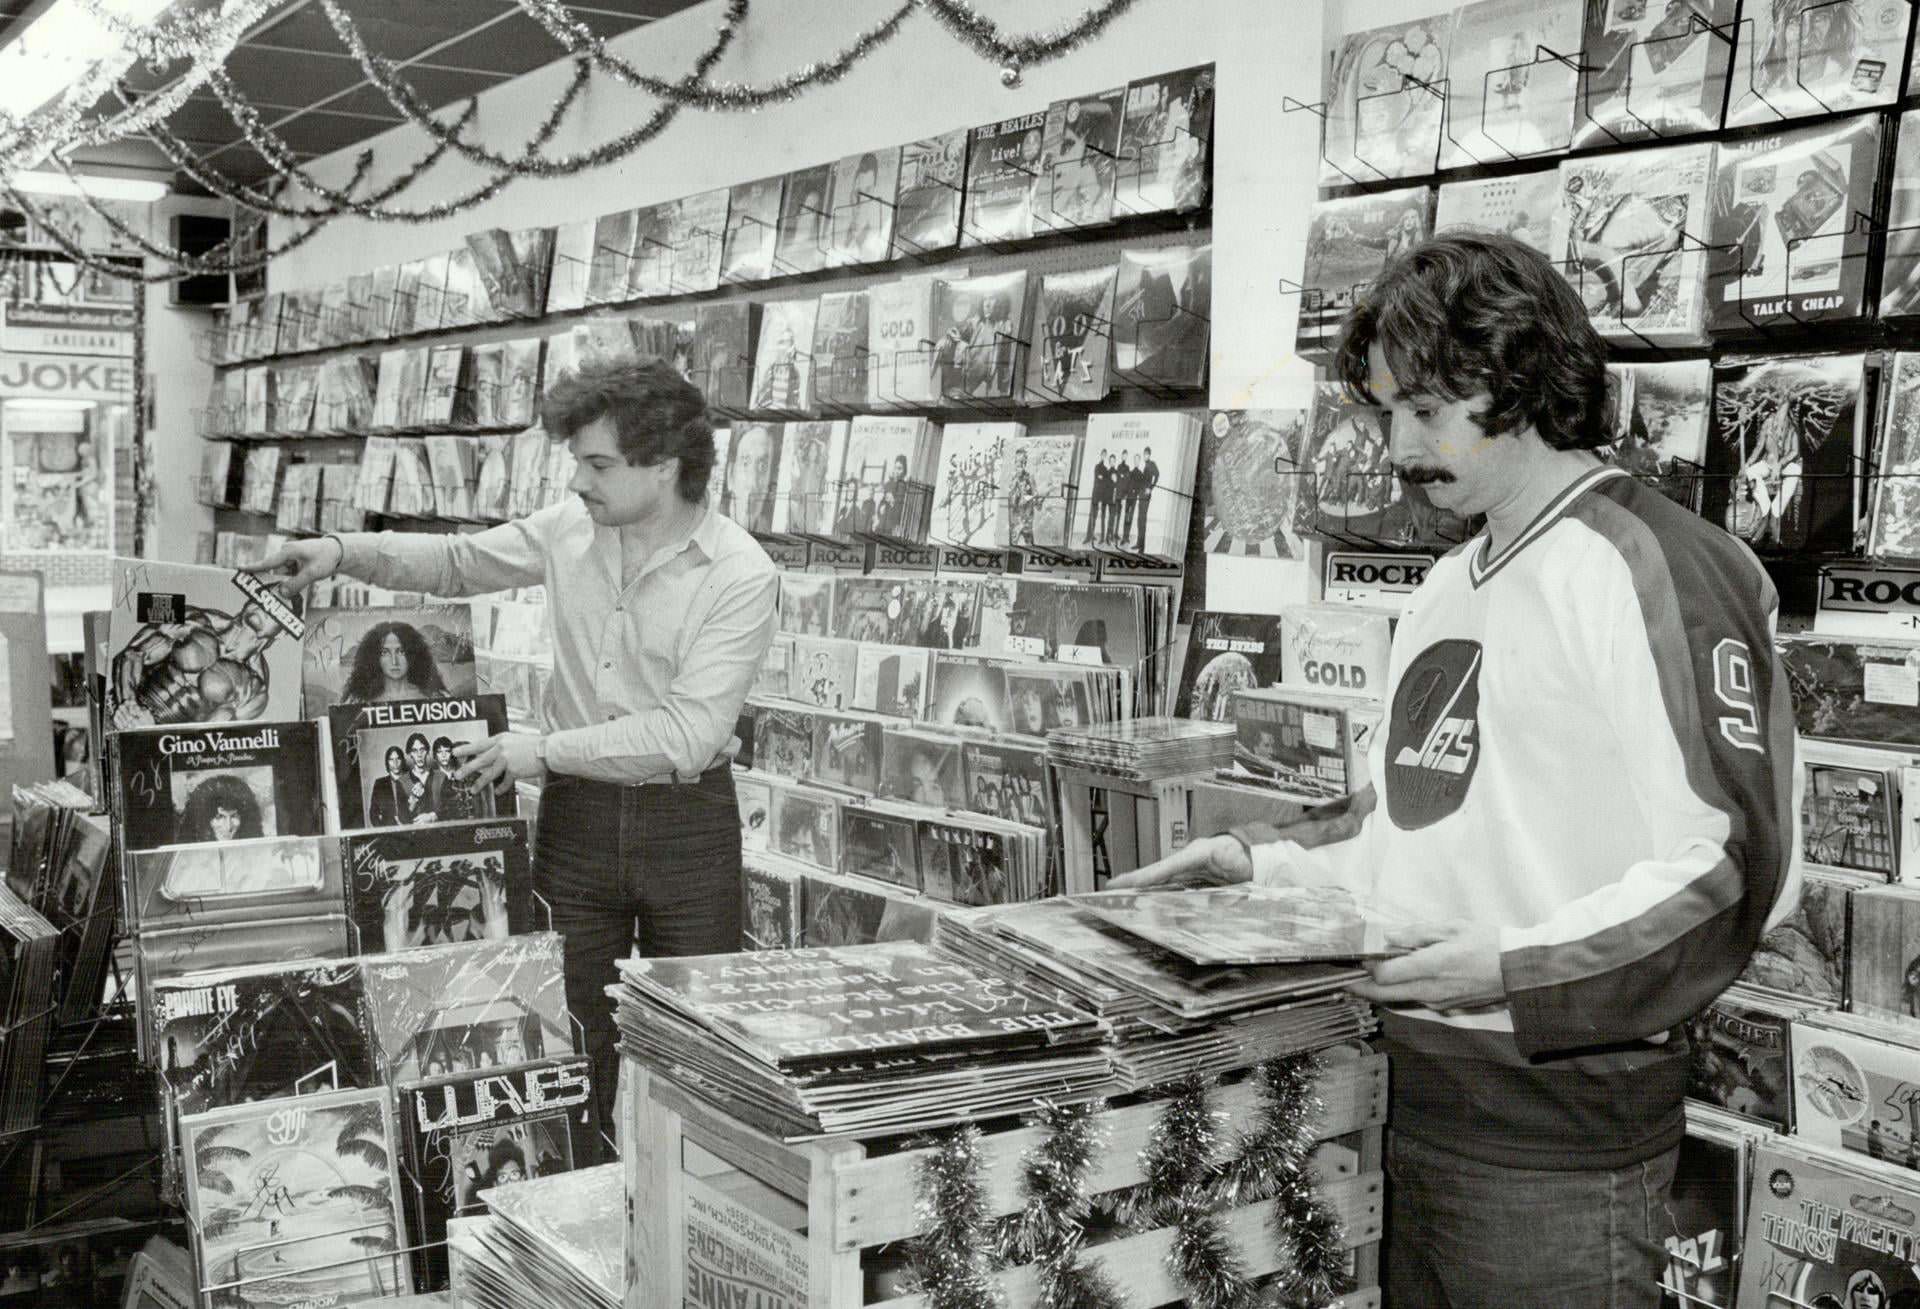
(853, 1199)
(1141, 822)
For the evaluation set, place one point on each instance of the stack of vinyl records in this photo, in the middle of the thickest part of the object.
(60, 859)
(890, 1037)
(545, 1242)
(1169, 1016)
(27, 962)
(1144, 748)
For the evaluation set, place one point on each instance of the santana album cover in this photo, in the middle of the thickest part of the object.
(438, 883)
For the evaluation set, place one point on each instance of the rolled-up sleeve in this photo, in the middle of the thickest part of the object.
(694, 723)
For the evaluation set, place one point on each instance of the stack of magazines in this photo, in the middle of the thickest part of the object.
(1169, 1016)
(888, 1037)
(1144, 749)
(544, 1242)
(61, 862)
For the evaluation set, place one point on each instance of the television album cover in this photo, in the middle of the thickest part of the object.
(299, 1201)
(1654, 70)
(360, 655)
(1792, 223)
(258, 1031)
(1166, 140)
(470, 1132)
(441, 1009)
(1253, 482)
(183, 786)
(394, 764)
(439, 883)
(189, 643)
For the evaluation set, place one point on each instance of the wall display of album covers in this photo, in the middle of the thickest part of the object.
(1806, 58)
(1506, 98)
(1350, 240)
(1166, 138)
(1894, 530)
(1660, 420)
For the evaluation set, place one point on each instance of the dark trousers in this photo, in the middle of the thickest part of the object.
(654, 865)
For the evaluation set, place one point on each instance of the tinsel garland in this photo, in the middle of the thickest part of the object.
(1020, 52)
(949, 1259)
(1178, 1191)
(1051, 1230)
(1275, 1161)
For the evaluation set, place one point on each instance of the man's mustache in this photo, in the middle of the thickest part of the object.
(1422, 476)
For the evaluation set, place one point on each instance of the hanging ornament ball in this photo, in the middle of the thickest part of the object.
(1010, 75)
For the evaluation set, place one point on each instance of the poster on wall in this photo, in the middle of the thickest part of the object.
(59, 470)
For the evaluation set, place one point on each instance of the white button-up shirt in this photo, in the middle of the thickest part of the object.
(648, 676)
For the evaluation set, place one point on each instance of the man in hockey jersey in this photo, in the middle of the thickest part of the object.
(1581, 809)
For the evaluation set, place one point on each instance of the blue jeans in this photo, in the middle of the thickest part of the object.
(664, 860)
(1463, 1234)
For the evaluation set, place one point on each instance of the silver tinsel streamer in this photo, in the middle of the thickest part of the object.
(1018, 52)
(1313, 1256)
(950, 1259)
(1051, 1230)
(1180, 1163)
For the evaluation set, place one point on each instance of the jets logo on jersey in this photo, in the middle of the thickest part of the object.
(1433, 734)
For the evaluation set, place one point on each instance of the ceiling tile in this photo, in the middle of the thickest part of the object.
(203, 118)
(316, 132)
(632, 8)
(514, 45)
(398, 32)
(437, 86)
(289, 78)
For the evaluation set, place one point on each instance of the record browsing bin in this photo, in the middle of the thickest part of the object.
(856, 1195)
(1111, 825)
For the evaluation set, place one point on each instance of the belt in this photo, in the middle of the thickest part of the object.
(713, 774)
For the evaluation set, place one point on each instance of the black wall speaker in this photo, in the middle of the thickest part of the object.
(195, 234)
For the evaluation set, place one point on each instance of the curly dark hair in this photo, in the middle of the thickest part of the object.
(1474, 313)
(366, 681)
(657, 415)
(221, 791)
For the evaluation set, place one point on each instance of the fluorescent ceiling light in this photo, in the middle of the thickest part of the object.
(59, 45)
(137, 189)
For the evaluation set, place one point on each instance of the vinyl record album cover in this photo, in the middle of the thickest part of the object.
(841, 361)
(933, 175)
(864, 188)
(922, 767)
(880, 845)
(1742, 1057)
(1507, 98)
(1163, 316)
(966, 492)
(723, 340)
(1041, 699)
(753, 227)
(1003, 174)
(1806, 955)
(1620, 239)
(612, 258)
(363, 655)
(846, 751)
(1900, 267)
(394, 766)
(844, 913)
(1386, 94)
(188, 643)
(1793, 213)
(1079, 148)
(772, 909)
(1224, 926)
(298, 1202)
(877, 493)
(1706, 1206)
(1895, 528)
(811, 454)
(1006, 780)
(697, 234)
(806, 219)
(1883, 953)
(1166, 140)
(1654, 70)
(806, 827)
(1226, 653)
(1035, 481)
(963, 864)
(258, 1031)
(1660, 420)
(442, 1009)
(783, 365)
(1349, 489)
(1811, 58)
(891, 679)
(979, 334)
(748, 495)
(473, 1131)
(1820, 1232)
(187, 785)
(1072, 339)
(969, 693)
(1781, 456)
(806, 604)
(821, 672)
(1253, 483)
(438, 883)
(900, 344)
(1519, 205)
(233, 881)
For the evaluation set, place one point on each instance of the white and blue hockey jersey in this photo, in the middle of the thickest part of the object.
(1589, 745)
